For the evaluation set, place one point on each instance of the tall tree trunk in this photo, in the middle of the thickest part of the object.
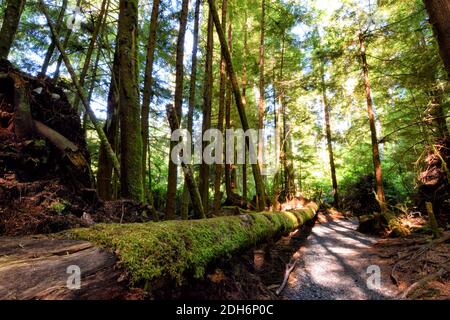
(207, 105)
(173, 174)
(145, 110)
(192, 96)
(102, 24)
(439, 12)
(148, 92)
(220, 124)
(259, 183)
(13, 12)
(187, 169)
(229, 167)
(91, 47)
(91, 90)
(65, 44)
(130, 124)
(51, 48)
(373, 128)
(244, 101)
(329, 139)
(111, 128)
(286, 144)
(276, 124)
(262, 89)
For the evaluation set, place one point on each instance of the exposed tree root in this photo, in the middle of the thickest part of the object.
(423, 282)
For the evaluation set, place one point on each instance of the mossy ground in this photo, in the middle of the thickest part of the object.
(173, 249)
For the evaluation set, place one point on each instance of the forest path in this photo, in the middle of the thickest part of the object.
(334, 265)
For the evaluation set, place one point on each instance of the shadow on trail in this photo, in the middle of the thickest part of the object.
(334, 266)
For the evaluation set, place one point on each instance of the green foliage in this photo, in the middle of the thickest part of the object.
(405, 71)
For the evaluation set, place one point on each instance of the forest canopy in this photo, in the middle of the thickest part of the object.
(310, 72)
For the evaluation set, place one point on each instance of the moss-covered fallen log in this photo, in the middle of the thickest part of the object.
(175, 249)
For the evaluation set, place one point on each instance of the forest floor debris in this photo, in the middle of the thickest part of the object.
(38, 192)
(417, 265)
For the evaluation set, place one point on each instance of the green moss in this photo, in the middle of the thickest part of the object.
(173, 249)
(59, 207)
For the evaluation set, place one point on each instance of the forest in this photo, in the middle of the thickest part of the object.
(257, 149)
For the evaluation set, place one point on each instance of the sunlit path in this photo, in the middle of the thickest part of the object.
(334, 266)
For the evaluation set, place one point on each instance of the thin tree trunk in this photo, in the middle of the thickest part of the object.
(220, 125)
(207, 105)
(187, 169)
(329, 140)
(173, 174)
(192, 96)
(229, 167)
(51, 48)
(91, 47)
(373, 129)
(261, 195)
(262, 89)
(111, 128)
(91, 90)
(276, 123)
(65, 44)
(13, 12)
(244, 101)
(286, 145)
(439, 12)
(148, 92)
(80, 92)
(130, 126)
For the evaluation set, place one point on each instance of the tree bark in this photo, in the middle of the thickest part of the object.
(207, 106)
(220, 125)
(288, 169)
(130, 125)
(52, 47)
(373, 129)
(148, 90)
(329, 139)
(13, 12)
(228, 101)
(244, 101)
(111, 129)
(91, 90)
(192, 97)
(187, 169)
(173, 174)
(276, 124)
(260, 192)
(262, 89)
(439, 12)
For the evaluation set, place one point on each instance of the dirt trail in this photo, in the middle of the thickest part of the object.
(334, 266)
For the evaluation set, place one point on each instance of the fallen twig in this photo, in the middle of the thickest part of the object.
(423, 282)
(289, 268)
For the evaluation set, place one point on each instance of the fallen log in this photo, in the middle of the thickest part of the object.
(174, 249)
(39, 269)
(78, 165)
(149, 254)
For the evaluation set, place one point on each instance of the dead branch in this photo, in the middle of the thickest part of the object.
(289, 268)
(423, 282)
